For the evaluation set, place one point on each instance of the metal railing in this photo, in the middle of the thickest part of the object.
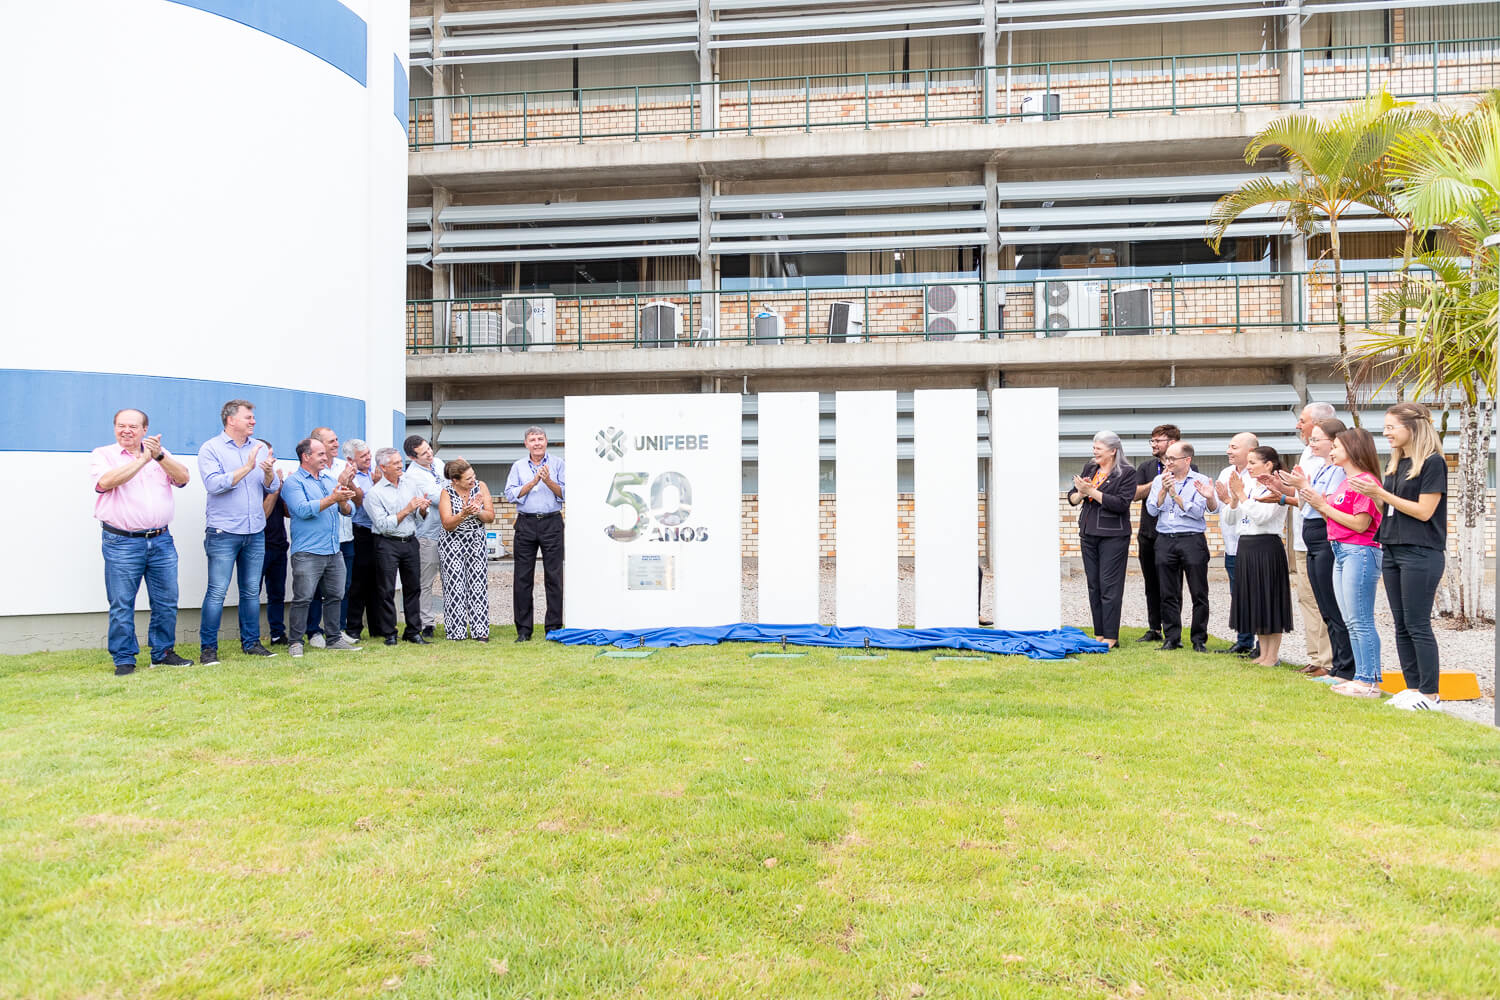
(957, 310)
(1097, 88)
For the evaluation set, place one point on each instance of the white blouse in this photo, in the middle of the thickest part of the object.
(1258, 518)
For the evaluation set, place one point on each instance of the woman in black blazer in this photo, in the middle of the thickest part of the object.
(1105, 489)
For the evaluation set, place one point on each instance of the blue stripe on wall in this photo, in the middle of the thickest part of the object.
(324, 28)
(398, 428)
(403, 93)
(73, 411)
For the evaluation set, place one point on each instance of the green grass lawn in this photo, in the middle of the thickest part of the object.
(540, 822)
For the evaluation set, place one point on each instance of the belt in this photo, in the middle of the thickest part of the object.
(538, 517)
(1179, 534)
(395, 538)
(150, 533)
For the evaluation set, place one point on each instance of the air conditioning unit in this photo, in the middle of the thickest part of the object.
(768, 327)
(530, 322)
(951, 312)
(1068, 308)
(1044, 106)
(846, 322)
(659, 324)
(474, 328)
(1130, 311)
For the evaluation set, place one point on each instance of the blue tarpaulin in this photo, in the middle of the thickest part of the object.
(1051, 645)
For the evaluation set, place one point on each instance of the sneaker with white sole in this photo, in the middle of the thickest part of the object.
(344, 645)
(316, 640)
(353, 640)
(1412, 700)
(296, 650)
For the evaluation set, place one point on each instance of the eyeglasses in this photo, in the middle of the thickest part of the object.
(1176, 458)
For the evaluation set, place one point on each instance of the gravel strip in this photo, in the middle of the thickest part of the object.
(1472, 649)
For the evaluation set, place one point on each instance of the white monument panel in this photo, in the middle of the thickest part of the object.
(865, 464)
(1028, 590)
(787, 487)
(945, 483)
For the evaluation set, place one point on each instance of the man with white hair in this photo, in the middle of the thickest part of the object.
(1319, 649)
(397, 505)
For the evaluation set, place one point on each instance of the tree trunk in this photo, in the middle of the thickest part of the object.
(1338, 310)
(1473, 456)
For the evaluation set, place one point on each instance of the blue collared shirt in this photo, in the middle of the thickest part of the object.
(430, 482)
(541, 499)
(1190, 517)
(1326, 481)
(365, 484)
(313, 530)
(234, 507)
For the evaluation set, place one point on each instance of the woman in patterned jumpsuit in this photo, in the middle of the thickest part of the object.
(466, 508)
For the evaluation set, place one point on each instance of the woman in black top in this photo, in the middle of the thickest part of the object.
(1105, 489)
(1414, 535)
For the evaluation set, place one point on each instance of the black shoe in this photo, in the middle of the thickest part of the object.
(172, 660)
(1233, 649)
(1170, 645)
(121, 669)
(258, 650)
(428, 631)
(480, 638)
(1253, 652)
(278, 640)
(1199, 647)
(391, 640)
(208, 656)
(1151, 636)
(416, 639)
(523, 637)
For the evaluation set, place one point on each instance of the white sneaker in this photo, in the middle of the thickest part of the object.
(342, 643)
(316, 641)
(351, 640)
(1415, 701)
(296, 650)
(1403, 698)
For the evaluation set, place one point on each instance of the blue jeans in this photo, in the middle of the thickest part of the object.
(126, 562)
(315, 609)
(1356, 570)
(1244, 640)
(232, 554)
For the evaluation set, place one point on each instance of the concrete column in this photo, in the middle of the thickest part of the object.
(708, 308)
(439, 397)
(1294, 294)
(1298, 376)
(994, 299)
(442, 278)
(442, 109)
(987, 57)
(1291, 61)
(993, 380)
(709, 112)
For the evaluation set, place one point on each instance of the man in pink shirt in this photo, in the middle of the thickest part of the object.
(133, 482)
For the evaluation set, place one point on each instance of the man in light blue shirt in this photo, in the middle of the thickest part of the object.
(360, 587)
(1180, 499)
(424, 473)
(537, 485)
(314, 500)
(238, 479)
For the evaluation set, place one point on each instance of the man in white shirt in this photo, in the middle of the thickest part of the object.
(1238, 453)
(1319, 649)
(423, 469)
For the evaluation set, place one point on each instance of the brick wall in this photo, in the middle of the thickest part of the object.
(1087, 91)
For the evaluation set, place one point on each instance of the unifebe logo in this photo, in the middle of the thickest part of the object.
(609, 443)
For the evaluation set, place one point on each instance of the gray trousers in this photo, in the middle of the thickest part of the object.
(315, 574)
(429, 550)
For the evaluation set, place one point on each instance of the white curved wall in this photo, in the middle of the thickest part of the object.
(201, 206)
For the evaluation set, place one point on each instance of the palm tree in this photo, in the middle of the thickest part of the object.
(1450, 179)
(1336, 165)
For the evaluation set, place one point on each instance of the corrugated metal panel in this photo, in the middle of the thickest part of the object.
(455, 215)
(1119, 187)
(881, 198)
(567, 234)
(849, 224)
(566, 253)
(893, 242)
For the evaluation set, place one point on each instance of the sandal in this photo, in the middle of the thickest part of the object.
(1356, 689)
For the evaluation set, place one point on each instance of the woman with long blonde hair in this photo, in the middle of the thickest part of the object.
(1414, 536)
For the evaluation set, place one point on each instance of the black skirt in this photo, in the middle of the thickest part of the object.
(1262, 602)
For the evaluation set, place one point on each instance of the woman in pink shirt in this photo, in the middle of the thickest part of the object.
(1352, 521)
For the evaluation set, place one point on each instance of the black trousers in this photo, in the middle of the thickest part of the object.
(1104, 561)
(533, 534)
(1146, 553)
(362, 583)
(273, 573)
(1179, 556)
(1412, 574)
(1320, 575)
(392, 556)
